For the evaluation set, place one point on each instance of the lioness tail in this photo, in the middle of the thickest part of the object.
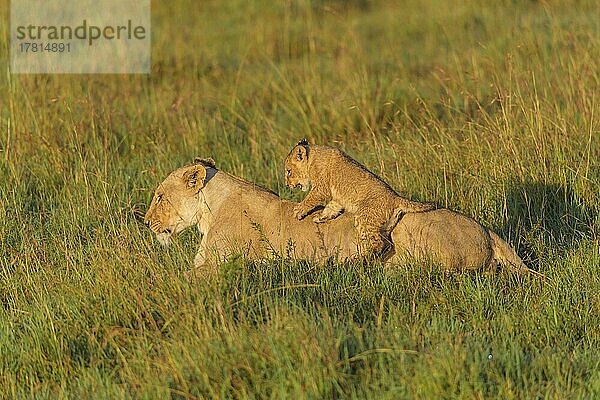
(504, 254)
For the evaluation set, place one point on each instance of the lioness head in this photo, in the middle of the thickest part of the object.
(296, 166)
(176, 202)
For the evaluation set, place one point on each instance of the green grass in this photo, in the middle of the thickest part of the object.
(490, 108)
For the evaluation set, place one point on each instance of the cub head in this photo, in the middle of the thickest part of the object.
(296, 166)
(176, 202)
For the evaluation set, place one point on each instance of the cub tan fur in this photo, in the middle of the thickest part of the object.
(233, 215)
(345, 185)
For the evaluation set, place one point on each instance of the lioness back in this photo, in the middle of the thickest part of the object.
(448, 238)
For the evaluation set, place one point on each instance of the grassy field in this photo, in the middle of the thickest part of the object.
(490, 108)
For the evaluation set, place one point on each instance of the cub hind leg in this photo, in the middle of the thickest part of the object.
(376, 240)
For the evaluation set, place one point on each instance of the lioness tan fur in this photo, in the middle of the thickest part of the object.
(454, 241)
(233, 215)
(343, 184)
(236, 216)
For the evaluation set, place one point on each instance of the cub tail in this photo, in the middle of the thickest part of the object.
(402, 207)
(506, 255)
(406, 206)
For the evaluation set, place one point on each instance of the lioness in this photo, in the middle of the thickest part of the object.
(234, 214)
(345, 185)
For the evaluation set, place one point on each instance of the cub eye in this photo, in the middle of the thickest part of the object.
(288, 172)
(158, 198)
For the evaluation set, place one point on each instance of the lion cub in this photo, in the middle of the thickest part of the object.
(345, 185)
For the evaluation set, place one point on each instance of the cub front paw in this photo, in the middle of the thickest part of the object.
(320, 218)
(299, 213)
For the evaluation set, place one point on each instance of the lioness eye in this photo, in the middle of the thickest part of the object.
(158, 198)
(288, 172)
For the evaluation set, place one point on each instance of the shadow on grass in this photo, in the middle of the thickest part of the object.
(551, 211)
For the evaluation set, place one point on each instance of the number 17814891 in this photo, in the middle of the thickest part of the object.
(40, 47)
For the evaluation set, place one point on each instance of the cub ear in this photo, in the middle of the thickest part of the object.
(194, 177)
(301, 153)
(207, 162)
(302, 150)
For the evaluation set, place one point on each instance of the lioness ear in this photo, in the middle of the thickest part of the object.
(194, 177)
